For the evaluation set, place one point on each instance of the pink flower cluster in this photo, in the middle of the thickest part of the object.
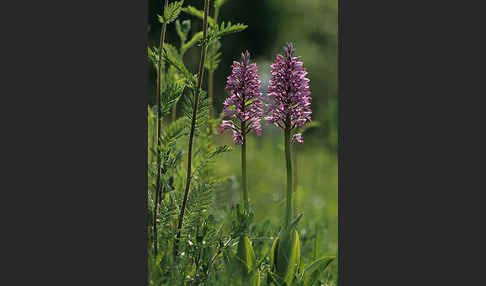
(244, 106)
(288, 92)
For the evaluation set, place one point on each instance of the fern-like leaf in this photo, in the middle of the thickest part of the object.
(202, 112)
(214, 56)
(171, 12)
(216, 32)
(183, 30)
(174, 131)
(175, 60)
(153, 56)
(171, 95)
(191, 10)
(194, 40)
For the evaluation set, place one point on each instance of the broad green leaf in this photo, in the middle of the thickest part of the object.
(255, 278)
(311, 272)
(273, 253)
(246, 255)
(288, 255)
(294, 259)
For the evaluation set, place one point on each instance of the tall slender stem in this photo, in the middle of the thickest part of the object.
(154, 135)
(159, 128)
(243, 173)
(294, 178)
(211, 72)
(288, 159)
(193, 125)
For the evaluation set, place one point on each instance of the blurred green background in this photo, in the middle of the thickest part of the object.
(312, 26)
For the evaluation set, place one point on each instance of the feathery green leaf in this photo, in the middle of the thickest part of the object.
(191, 10)
(171, 12)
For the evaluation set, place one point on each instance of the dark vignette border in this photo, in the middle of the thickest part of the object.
(340, 143)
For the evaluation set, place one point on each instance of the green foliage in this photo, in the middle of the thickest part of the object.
(202, 116)
(285, 256)
(171, 95)
(219, 3)
(153, 56)
(174, 131)
(214, 56)
(220, 238)
(191, 10)
(245, 262)
(172, 57)
(183, 30)
(171, 12)
(194, 40)
(216, 32)
(311, 273)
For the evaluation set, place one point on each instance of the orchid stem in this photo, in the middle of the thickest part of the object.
(243, 174)
(288, 159)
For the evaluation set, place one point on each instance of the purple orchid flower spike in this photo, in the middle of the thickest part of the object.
(244, 106)
(289, 93)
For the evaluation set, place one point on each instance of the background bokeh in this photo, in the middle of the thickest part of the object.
(312, 26)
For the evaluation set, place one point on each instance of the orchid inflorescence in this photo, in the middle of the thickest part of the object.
(288, 95)
(289, 90)
(245, 103)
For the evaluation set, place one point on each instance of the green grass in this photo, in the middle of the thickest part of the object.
(316, 194)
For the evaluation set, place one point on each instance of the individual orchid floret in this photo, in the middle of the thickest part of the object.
(289, 93)
(244, 106)
(297, 138)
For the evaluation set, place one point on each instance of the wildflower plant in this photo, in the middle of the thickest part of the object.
(243, 108)
(244, 111)
(190, 240)
(289, 108)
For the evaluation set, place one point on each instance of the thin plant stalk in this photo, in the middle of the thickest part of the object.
(243, 173)
(288, 160)
(193, 125)
(154, 137)
(211, 73)
(294, 177)
(159, 129)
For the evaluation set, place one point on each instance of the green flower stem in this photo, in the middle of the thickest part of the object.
(243, 174)
(294, 178)
(288, 159)
(159, 129)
